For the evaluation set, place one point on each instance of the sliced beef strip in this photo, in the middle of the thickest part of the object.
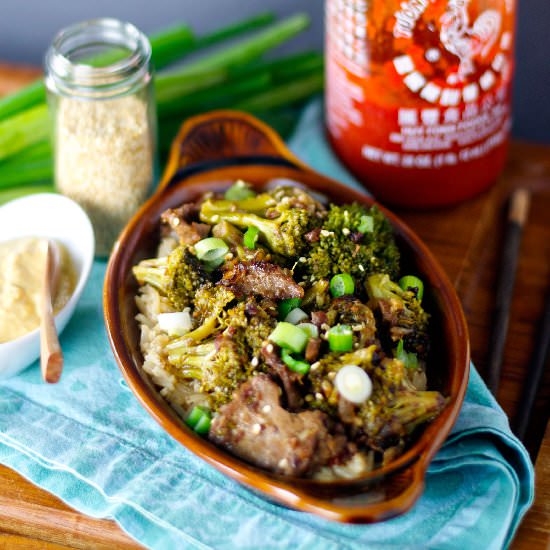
(263, 279)
(256, 428)
(319, 318)
(290, 380)
(181, 221)
(312, 350)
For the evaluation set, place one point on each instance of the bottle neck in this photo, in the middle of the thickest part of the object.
(98, 59)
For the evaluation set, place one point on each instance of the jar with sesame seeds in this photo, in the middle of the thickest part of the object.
(100, 96)
(418, 95)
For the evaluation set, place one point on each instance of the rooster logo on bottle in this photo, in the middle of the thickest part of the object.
(468, 41)
(480, 51)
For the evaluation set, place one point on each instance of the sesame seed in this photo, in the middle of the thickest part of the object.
(269, 348)
(254, 362)
(256, 429)
(302, 259)
(283, 463)
(325, 233)
(361, 268)
(315, 365)
(346, 231)
(266, 409)
(319, 396)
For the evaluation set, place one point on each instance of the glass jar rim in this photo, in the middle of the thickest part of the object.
(85, 80)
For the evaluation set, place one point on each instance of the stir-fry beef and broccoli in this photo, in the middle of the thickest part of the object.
(284, 331)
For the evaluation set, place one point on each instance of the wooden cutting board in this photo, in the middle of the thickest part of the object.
(466, 239)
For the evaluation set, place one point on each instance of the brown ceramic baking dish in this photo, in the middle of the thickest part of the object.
(210, 152)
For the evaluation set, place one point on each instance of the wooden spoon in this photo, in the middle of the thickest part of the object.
(51, 356)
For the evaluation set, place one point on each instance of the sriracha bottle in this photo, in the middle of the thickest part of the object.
(418, 95)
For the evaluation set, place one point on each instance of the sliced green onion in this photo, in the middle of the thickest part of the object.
(353, 384)
(296, 315)
(212, 251)
(286, 306)
(366, 225)
(408, 358)
(238, 191)
(176, 323)
(289, 337)
(296, 365)
(310, 329)
(342, 284)
(340, 338)
(251, 237)
(203, 425)
(199, 420)
(414, 284)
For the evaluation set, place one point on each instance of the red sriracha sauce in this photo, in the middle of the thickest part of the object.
(418, 95)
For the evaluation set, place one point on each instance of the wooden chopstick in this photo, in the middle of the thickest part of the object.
(539, 360)
(519, 209)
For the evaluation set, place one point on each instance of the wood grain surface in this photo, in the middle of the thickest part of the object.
(467, 240)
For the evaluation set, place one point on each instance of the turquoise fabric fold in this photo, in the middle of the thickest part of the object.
(88, 441)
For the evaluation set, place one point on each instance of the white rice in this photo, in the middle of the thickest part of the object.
(182, 393)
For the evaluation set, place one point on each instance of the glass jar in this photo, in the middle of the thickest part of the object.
(100, 95)
(418, 94)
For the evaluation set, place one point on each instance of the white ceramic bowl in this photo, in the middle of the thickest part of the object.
(51, 216)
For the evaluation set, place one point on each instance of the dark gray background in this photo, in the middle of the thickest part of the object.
(27, 26)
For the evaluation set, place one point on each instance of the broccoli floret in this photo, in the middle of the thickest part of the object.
(234, 238)
(260, 325)
(218, 353)
(348, 310)
(177, 276)
(322, 392)
(355, 240)
(282, 229)
(258, 204)
(219, 365)
(394, 409)
(402, 314)
(210, 310)
(228, 233)
(387, 421)
(212, 322)
(295, 197)
(211, 300)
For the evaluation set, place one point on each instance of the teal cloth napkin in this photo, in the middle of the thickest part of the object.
(88, 441)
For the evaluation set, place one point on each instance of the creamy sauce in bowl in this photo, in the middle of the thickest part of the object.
(22, 270)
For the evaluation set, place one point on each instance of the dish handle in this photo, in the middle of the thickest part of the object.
(374, 501)
(224, 138)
